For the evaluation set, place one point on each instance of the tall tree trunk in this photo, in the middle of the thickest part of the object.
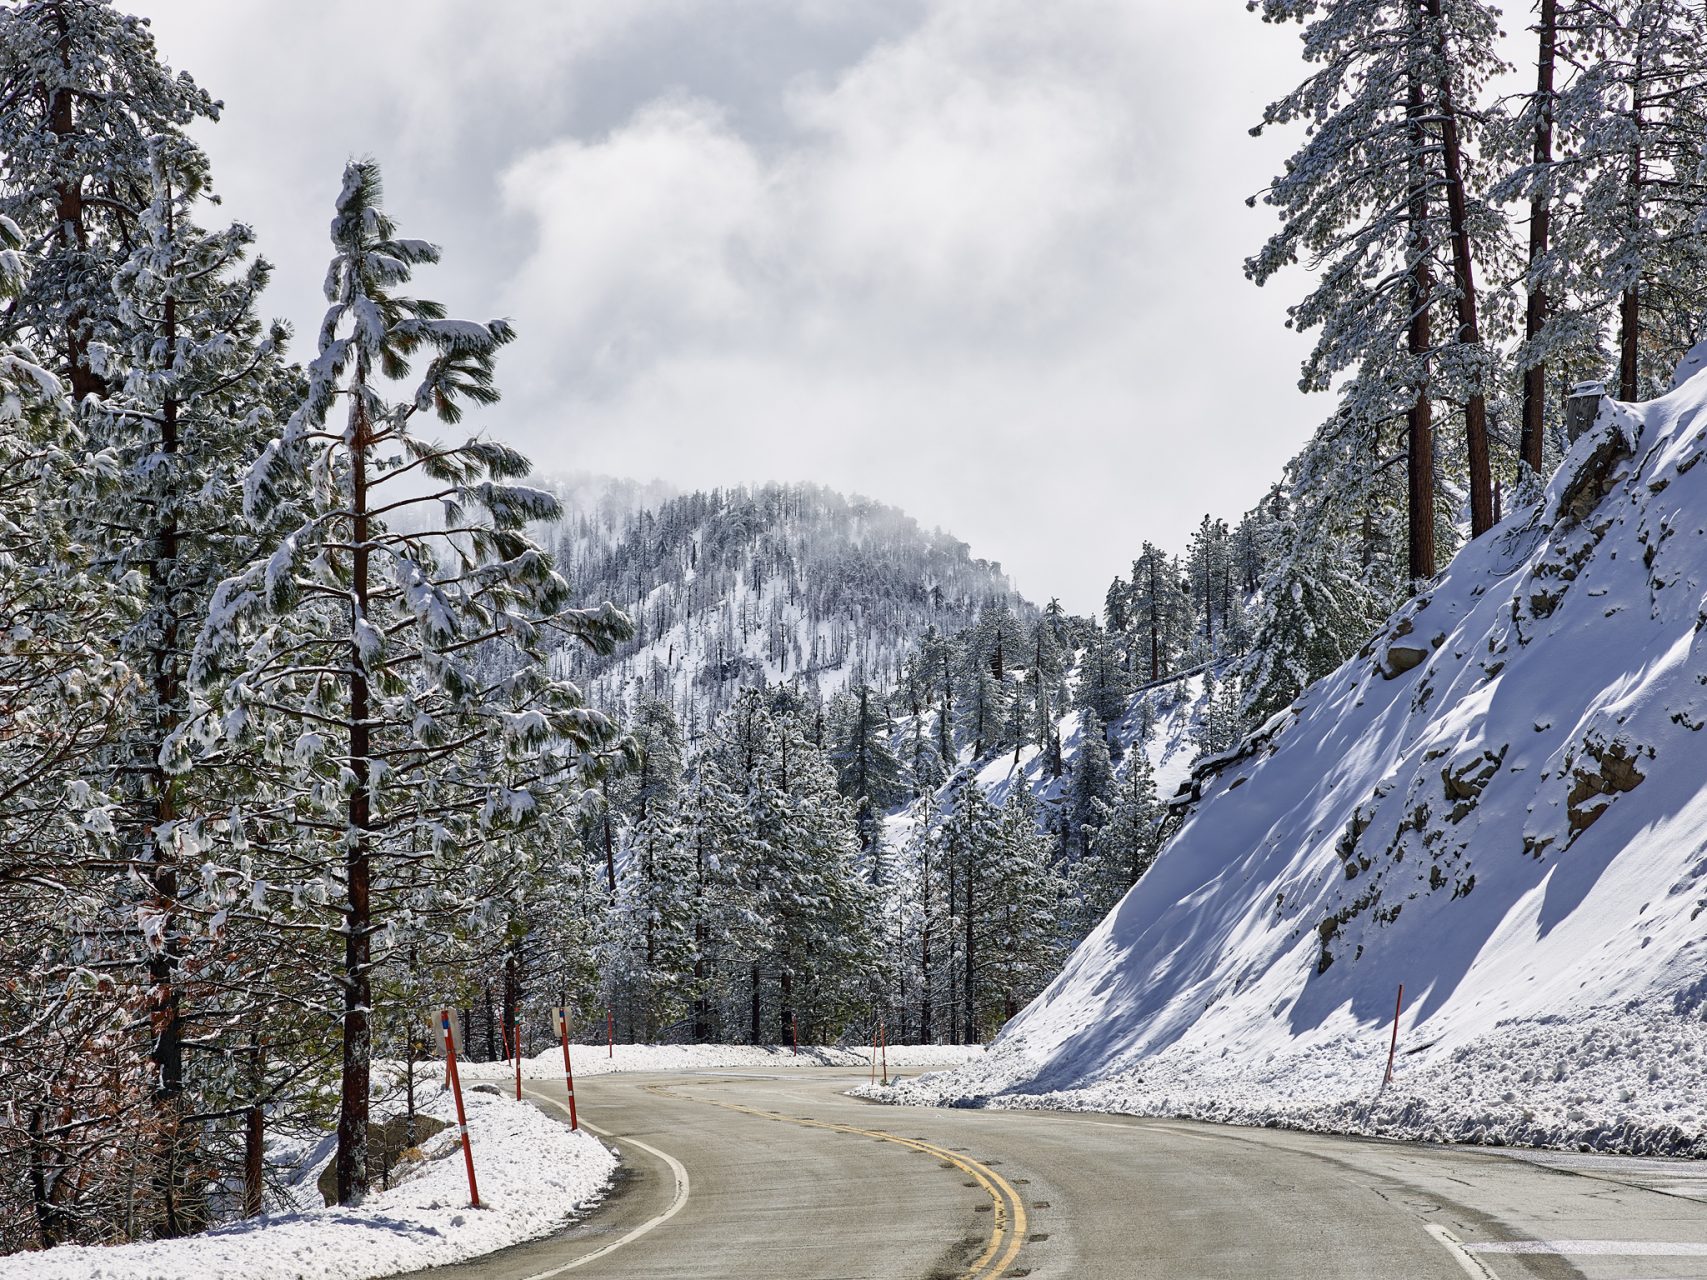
(949, 960)
(158, 857)
(753, 1029)
(970, 992)
(1630, 343)
(53, 1225)
(254, 1127)
(610, 844)
(1464, 277)
(1420, 431)
(925, 995)
(1540, 233)
(1155, 624)
(785, 1007)
(72, 233)
(701, 998)
(945, 725)
(648, 871)
(1630, 305)
(358, 911)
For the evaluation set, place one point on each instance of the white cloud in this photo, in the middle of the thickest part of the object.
(646, 240)
(977, 257)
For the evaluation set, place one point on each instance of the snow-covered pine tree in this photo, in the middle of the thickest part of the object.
(384, 654)
(725, 922)
(1157, 625)
(1020, 698)
(1209, 571)
(971, 836)
(150, 319)
(1048, 675)
(868, 773)
(651, 945)
(1605, 153)
(796, 862)
(1059, 624)
(564, 918)
(650, 950)
(1020, 946)
(1315, 613)
(84, 91)
(1091, 792)
(193, 384)
(937, 657)
(1221, 719)
(1102, 688)
(1641, 206)
(924, 771)
(1117, 604)
(1123, 847)
(64, 1037)
(655, 783)
(921, 914)
(979, 698)
(1359, 204)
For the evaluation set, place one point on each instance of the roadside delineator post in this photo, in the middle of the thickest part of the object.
(562, 1016)
(794, 1023)
(516, 1032)
(874, 1055)
(883, 1036)
(461, 1115)
(1393, 1049)
(610, 1031)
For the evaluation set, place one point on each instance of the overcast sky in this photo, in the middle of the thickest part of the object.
(977, 258)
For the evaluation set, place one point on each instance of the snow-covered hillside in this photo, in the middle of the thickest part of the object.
(757, 587)
(1499, 803)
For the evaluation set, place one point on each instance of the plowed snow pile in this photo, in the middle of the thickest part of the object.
(1501, 803)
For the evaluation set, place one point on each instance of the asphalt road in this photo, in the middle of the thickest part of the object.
(731, 1174)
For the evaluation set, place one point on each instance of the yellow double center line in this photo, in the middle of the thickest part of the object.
(1007, 1230)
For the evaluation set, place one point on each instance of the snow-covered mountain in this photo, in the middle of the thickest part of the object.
(746, 586)
(1500, 804)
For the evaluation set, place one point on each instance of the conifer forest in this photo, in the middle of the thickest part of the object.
(322, 707)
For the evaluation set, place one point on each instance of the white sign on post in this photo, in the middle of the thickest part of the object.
(437, 1037)
(560, 1022)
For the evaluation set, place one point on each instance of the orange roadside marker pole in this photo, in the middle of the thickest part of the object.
(569, 1074)
(1393, 1049)
(461, 1115)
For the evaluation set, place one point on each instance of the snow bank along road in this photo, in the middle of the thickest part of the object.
(730, 1173)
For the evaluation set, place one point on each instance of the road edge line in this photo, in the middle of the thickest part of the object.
(1472, 1265)
(684, 1187)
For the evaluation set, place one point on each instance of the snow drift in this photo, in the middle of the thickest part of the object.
(534, 1174)
(1500, 803)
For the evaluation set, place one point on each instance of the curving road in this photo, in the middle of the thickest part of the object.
(732, 1174)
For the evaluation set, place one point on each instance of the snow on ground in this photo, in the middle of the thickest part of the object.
(533, 1174)
(1608, 1080)
(1499, 803)
(597, 1059)
(1172, 744)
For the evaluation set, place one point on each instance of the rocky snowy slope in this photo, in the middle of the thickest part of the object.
(1500, 803)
